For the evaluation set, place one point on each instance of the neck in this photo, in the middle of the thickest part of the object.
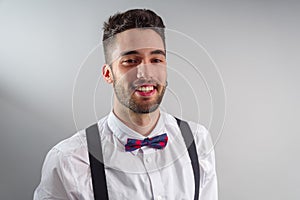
(142, 123)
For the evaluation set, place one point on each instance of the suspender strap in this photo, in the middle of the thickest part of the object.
(97, 166)
(96, 163)
(190, 144)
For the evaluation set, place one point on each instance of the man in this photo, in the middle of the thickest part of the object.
(143, 149)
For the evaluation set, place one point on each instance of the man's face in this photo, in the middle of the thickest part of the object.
(139, 69)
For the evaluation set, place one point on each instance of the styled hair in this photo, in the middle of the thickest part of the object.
(135, 18)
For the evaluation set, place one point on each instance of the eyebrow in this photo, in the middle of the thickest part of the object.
(158, 52)
(126, 53)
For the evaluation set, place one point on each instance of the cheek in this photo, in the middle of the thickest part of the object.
(127, 75)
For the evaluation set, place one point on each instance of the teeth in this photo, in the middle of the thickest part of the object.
(145, 89)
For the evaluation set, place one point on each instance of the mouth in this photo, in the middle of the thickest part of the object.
(146, 90)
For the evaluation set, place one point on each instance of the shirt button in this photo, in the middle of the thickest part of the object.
(148, 160)
(160, 198)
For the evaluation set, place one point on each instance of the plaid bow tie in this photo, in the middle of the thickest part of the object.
(157, 142)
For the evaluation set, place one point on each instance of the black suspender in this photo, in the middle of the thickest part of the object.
(96, 163)
(190, 144)
(97, 166)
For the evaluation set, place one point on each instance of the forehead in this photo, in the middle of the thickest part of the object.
(137, 39)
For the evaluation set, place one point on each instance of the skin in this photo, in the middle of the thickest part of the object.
(134, 49)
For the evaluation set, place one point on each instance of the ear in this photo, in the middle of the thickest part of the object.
(107, 74)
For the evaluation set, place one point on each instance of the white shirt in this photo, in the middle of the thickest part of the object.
(143, 174)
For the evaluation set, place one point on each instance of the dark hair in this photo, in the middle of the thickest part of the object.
(135, 18)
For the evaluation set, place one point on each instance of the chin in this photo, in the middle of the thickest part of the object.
(145, 109)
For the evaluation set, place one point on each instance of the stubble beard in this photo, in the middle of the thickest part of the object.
(137, 104)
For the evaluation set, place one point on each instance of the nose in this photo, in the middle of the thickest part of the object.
(143, 71)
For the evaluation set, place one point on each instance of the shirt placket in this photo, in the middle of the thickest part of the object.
(154, 176)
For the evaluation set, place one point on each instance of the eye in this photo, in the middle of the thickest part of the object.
(130, 61)
(157, 60)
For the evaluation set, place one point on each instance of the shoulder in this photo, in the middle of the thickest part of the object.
(72, 144)
(201, 134)
(66, 151)
(197, 129)
(74, 147)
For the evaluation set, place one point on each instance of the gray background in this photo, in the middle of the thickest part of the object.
(254, 43)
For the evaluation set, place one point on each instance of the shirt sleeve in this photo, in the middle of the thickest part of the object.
(57, 182)
(206, 155)
(208, 185)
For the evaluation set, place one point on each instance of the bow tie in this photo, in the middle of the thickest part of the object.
(157, 142)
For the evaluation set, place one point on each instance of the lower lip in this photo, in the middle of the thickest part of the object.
(145, 94)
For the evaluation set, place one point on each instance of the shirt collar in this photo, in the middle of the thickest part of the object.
(123, 132)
